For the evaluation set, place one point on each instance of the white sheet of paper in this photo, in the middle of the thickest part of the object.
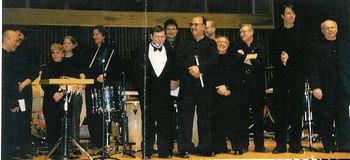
(175, 92)
(22, 104)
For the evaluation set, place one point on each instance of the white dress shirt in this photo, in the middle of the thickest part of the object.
(158, 59)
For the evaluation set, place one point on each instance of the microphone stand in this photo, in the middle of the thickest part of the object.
(65, 139)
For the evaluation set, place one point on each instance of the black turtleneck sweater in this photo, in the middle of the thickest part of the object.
(292, 74)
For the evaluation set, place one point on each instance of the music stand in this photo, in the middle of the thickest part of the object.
(64, 138)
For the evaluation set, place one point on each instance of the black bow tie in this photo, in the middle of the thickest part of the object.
(155, 49)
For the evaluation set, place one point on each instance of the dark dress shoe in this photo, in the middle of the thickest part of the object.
(260, 149)
(329, 151)
(206, 154)
(165, 156)
(183, 155)
(279, 149)
(298, 150)
(238, 152)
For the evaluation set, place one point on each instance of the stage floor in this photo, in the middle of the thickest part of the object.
(269, 143)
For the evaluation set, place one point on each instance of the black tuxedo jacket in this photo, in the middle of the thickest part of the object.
(154, 85)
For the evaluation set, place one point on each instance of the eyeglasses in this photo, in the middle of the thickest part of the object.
(195, 24)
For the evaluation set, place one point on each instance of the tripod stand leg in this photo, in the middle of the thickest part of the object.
(54, 148)
(128, 152)
(80, 148)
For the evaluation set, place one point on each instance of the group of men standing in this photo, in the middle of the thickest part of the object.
(217, 81)
(199, 70)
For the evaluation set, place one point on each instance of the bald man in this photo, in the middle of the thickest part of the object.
(196, 88)
(9, 104)
(325, 82)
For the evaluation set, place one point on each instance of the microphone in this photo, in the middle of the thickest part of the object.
(201, 75)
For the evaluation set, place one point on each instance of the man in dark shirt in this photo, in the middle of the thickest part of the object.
(288, 82)
(325, 82)
(104, 66)
(9, 92)
(343, 118)
(195, 58)
(27, 70)
(251, 54)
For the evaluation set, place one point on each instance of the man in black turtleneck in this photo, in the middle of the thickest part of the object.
(325, 82)
(288, 82)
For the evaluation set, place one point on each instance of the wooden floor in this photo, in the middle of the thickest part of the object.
(269, 143)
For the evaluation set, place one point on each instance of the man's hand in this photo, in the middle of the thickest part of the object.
(174, 85)
(247, 61)
(317, 92)
(13, 110)
(100, 78)
(23, 84)
(57, 96)
(284, 57)
(223, 90)
(194, 71)
(240, 51)
(251, 56)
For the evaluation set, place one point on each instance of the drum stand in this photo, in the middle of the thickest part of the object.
(105, 105)
(123, 138)
(65, 139)
(308, 116)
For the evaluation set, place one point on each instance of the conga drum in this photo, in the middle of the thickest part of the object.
(134, 123)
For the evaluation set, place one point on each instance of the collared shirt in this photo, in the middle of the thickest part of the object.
(157, 58)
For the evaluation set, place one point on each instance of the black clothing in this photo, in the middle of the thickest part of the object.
(288, 85)
(74, 62)
(343, 121)
(53, 111)
(9, 101)
(92, 71)
(191, 93)
(26, 66)
(324, 75)
(253, 92)
(158, 103)
(226, 118)
(172, 47)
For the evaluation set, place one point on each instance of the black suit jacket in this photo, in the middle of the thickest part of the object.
(344, 68)
(323, 70)
(154, 85)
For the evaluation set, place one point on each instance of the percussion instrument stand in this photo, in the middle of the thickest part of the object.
(123, 138)
(105, 134)
(65, 137)
(308, 97)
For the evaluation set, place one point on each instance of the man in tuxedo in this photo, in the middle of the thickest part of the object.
(157, 109)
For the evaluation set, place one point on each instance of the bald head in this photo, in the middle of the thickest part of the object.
(10, 40)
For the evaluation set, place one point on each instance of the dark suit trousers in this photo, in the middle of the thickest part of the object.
(191, 96)
(288, 110)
